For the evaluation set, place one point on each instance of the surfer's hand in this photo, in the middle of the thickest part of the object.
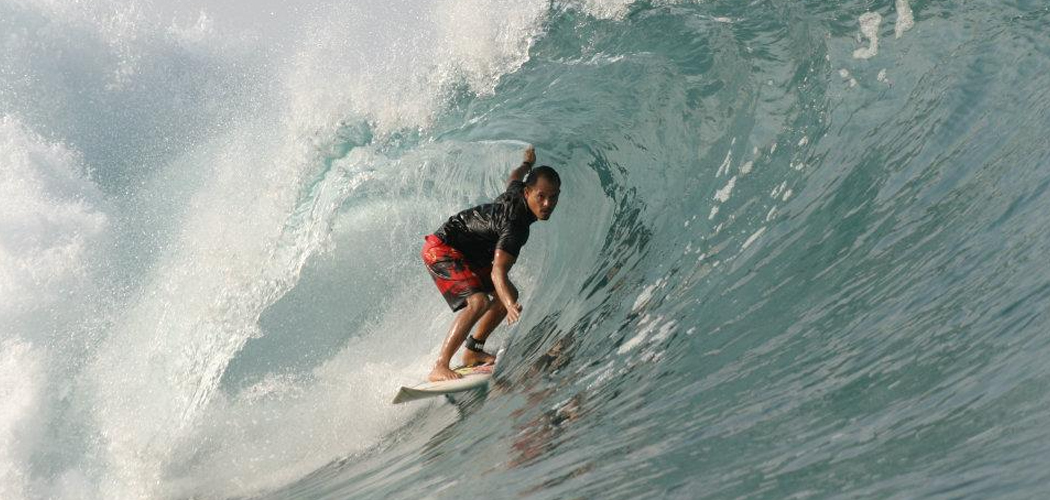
(530, 155)
(513, 313)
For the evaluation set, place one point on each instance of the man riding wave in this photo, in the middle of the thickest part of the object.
(470, 255)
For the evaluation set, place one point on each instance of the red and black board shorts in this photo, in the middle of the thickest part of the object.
(456, 278)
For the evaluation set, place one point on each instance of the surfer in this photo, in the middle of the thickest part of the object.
(470, 255)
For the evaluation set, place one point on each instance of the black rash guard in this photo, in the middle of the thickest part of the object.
(503, 224)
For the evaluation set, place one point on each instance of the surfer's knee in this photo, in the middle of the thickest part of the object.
(477, 302)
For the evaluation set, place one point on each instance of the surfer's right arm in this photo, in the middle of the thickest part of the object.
(519, 173)
(505, 290)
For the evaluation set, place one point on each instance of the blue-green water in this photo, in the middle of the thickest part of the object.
(800, 252)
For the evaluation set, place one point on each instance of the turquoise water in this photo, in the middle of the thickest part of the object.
(800, 251)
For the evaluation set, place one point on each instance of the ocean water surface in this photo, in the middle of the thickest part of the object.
(801, 249)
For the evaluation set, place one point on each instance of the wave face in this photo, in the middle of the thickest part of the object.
(800, 251)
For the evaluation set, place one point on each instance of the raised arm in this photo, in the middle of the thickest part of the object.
(505, 290)
(518, 174)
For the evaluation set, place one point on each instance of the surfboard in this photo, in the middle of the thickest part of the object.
(474, 377)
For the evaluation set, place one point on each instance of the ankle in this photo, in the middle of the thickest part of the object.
(474, 345)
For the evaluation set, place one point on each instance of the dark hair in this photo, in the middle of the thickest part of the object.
(542, 171)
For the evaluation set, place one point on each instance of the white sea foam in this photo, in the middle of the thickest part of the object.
(242, 228)
(777, 190)
(50, 217)
(657, 328)
(869, 27)
(604, 9)
(53, 226)
(415, 57)
(22, 384)
(751, 239)
(633, 342)
(724, 167)
(722, 195)
(284, 427)
(905, 19)
(882, 76)
(664, 331)
(643, 298)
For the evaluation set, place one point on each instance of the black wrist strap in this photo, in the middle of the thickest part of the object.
(473, 345)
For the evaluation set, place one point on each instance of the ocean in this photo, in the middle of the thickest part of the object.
(800, 250)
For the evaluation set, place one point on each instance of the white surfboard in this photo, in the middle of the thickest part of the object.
(474, 377)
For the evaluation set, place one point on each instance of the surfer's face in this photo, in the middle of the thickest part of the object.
(542, 197)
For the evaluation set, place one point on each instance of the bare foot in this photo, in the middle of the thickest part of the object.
(440, 373)
(471, 358)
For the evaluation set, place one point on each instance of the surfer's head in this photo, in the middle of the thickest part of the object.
(542, 187)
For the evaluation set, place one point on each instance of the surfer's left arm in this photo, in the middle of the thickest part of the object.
(519, 173)
(506, 292)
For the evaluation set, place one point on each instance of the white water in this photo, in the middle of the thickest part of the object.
(164, 182)
(180, 138)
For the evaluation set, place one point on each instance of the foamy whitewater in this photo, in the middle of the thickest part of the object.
(800, 252)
